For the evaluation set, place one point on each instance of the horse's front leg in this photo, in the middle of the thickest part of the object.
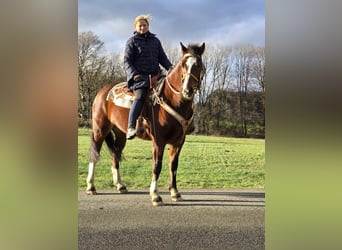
(117, 180)
(156, 169)
(95, 147)
(116, 148)
(174, 155)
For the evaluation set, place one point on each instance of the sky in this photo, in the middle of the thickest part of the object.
(216, 22)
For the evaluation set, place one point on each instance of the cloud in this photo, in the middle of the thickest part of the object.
(247, 31)
(213, 21)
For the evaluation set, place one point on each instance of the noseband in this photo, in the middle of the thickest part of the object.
(184, 75)
(168, 108)
(189, 74)
(195, 88)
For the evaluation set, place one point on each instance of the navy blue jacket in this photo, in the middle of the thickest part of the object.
(143, 54)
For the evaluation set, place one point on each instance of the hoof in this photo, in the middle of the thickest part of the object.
(177, 198)
(156, 202)
(123, 190)
(91, 192)
(175, 195)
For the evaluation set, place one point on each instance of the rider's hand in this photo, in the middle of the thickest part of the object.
(137, 78)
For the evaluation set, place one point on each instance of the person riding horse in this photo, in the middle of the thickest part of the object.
(143, 54)
(169, 117)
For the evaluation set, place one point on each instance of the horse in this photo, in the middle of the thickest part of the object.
(168, 114)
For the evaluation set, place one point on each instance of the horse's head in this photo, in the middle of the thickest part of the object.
(192, 70)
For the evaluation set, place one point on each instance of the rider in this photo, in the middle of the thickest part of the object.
(143, 54)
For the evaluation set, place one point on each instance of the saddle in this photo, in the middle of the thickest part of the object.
(122, 96)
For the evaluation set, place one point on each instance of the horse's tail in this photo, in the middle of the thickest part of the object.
(112, 147)
(94, 150)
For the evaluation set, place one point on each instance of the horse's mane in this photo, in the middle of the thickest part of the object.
(194, 49)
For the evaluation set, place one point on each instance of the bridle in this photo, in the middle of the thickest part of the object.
(187, 93)
(190, 75)
(185, 123)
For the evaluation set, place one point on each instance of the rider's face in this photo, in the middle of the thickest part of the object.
(141, 26)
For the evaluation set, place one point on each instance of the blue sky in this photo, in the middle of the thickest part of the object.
(229, 22)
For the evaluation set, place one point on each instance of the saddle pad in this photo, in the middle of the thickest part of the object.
(121, 96)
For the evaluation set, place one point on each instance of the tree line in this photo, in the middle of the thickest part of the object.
(231, 101)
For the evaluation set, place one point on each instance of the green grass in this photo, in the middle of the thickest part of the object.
(205, 162)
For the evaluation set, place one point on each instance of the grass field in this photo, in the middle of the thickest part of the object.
(205, 162)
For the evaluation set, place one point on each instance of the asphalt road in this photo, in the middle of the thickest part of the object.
(206, 219)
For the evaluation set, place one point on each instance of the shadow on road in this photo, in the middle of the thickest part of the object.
(259, 195)
(210, 204)
(207, 198)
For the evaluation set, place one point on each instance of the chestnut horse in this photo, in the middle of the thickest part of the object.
(168, 114)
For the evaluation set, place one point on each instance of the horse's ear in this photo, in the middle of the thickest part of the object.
(202, 48)
(184, 49)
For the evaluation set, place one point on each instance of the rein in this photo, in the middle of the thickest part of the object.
(158, 100)
(171, 87)
(182, 121)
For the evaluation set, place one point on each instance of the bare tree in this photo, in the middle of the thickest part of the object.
(231, 100)
(213, 106)
(243, 76)
(114, 71)
(259, 75)
(223, 71)
(94, 70)
(259, 67)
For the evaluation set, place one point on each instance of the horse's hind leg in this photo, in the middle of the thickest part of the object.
(95, 147)
(116, 146)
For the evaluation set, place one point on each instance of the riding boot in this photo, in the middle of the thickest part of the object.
(132, 118)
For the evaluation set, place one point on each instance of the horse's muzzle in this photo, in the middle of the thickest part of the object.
(188, 94)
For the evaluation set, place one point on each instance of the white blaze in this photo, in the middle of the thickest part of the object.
(189, 63)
